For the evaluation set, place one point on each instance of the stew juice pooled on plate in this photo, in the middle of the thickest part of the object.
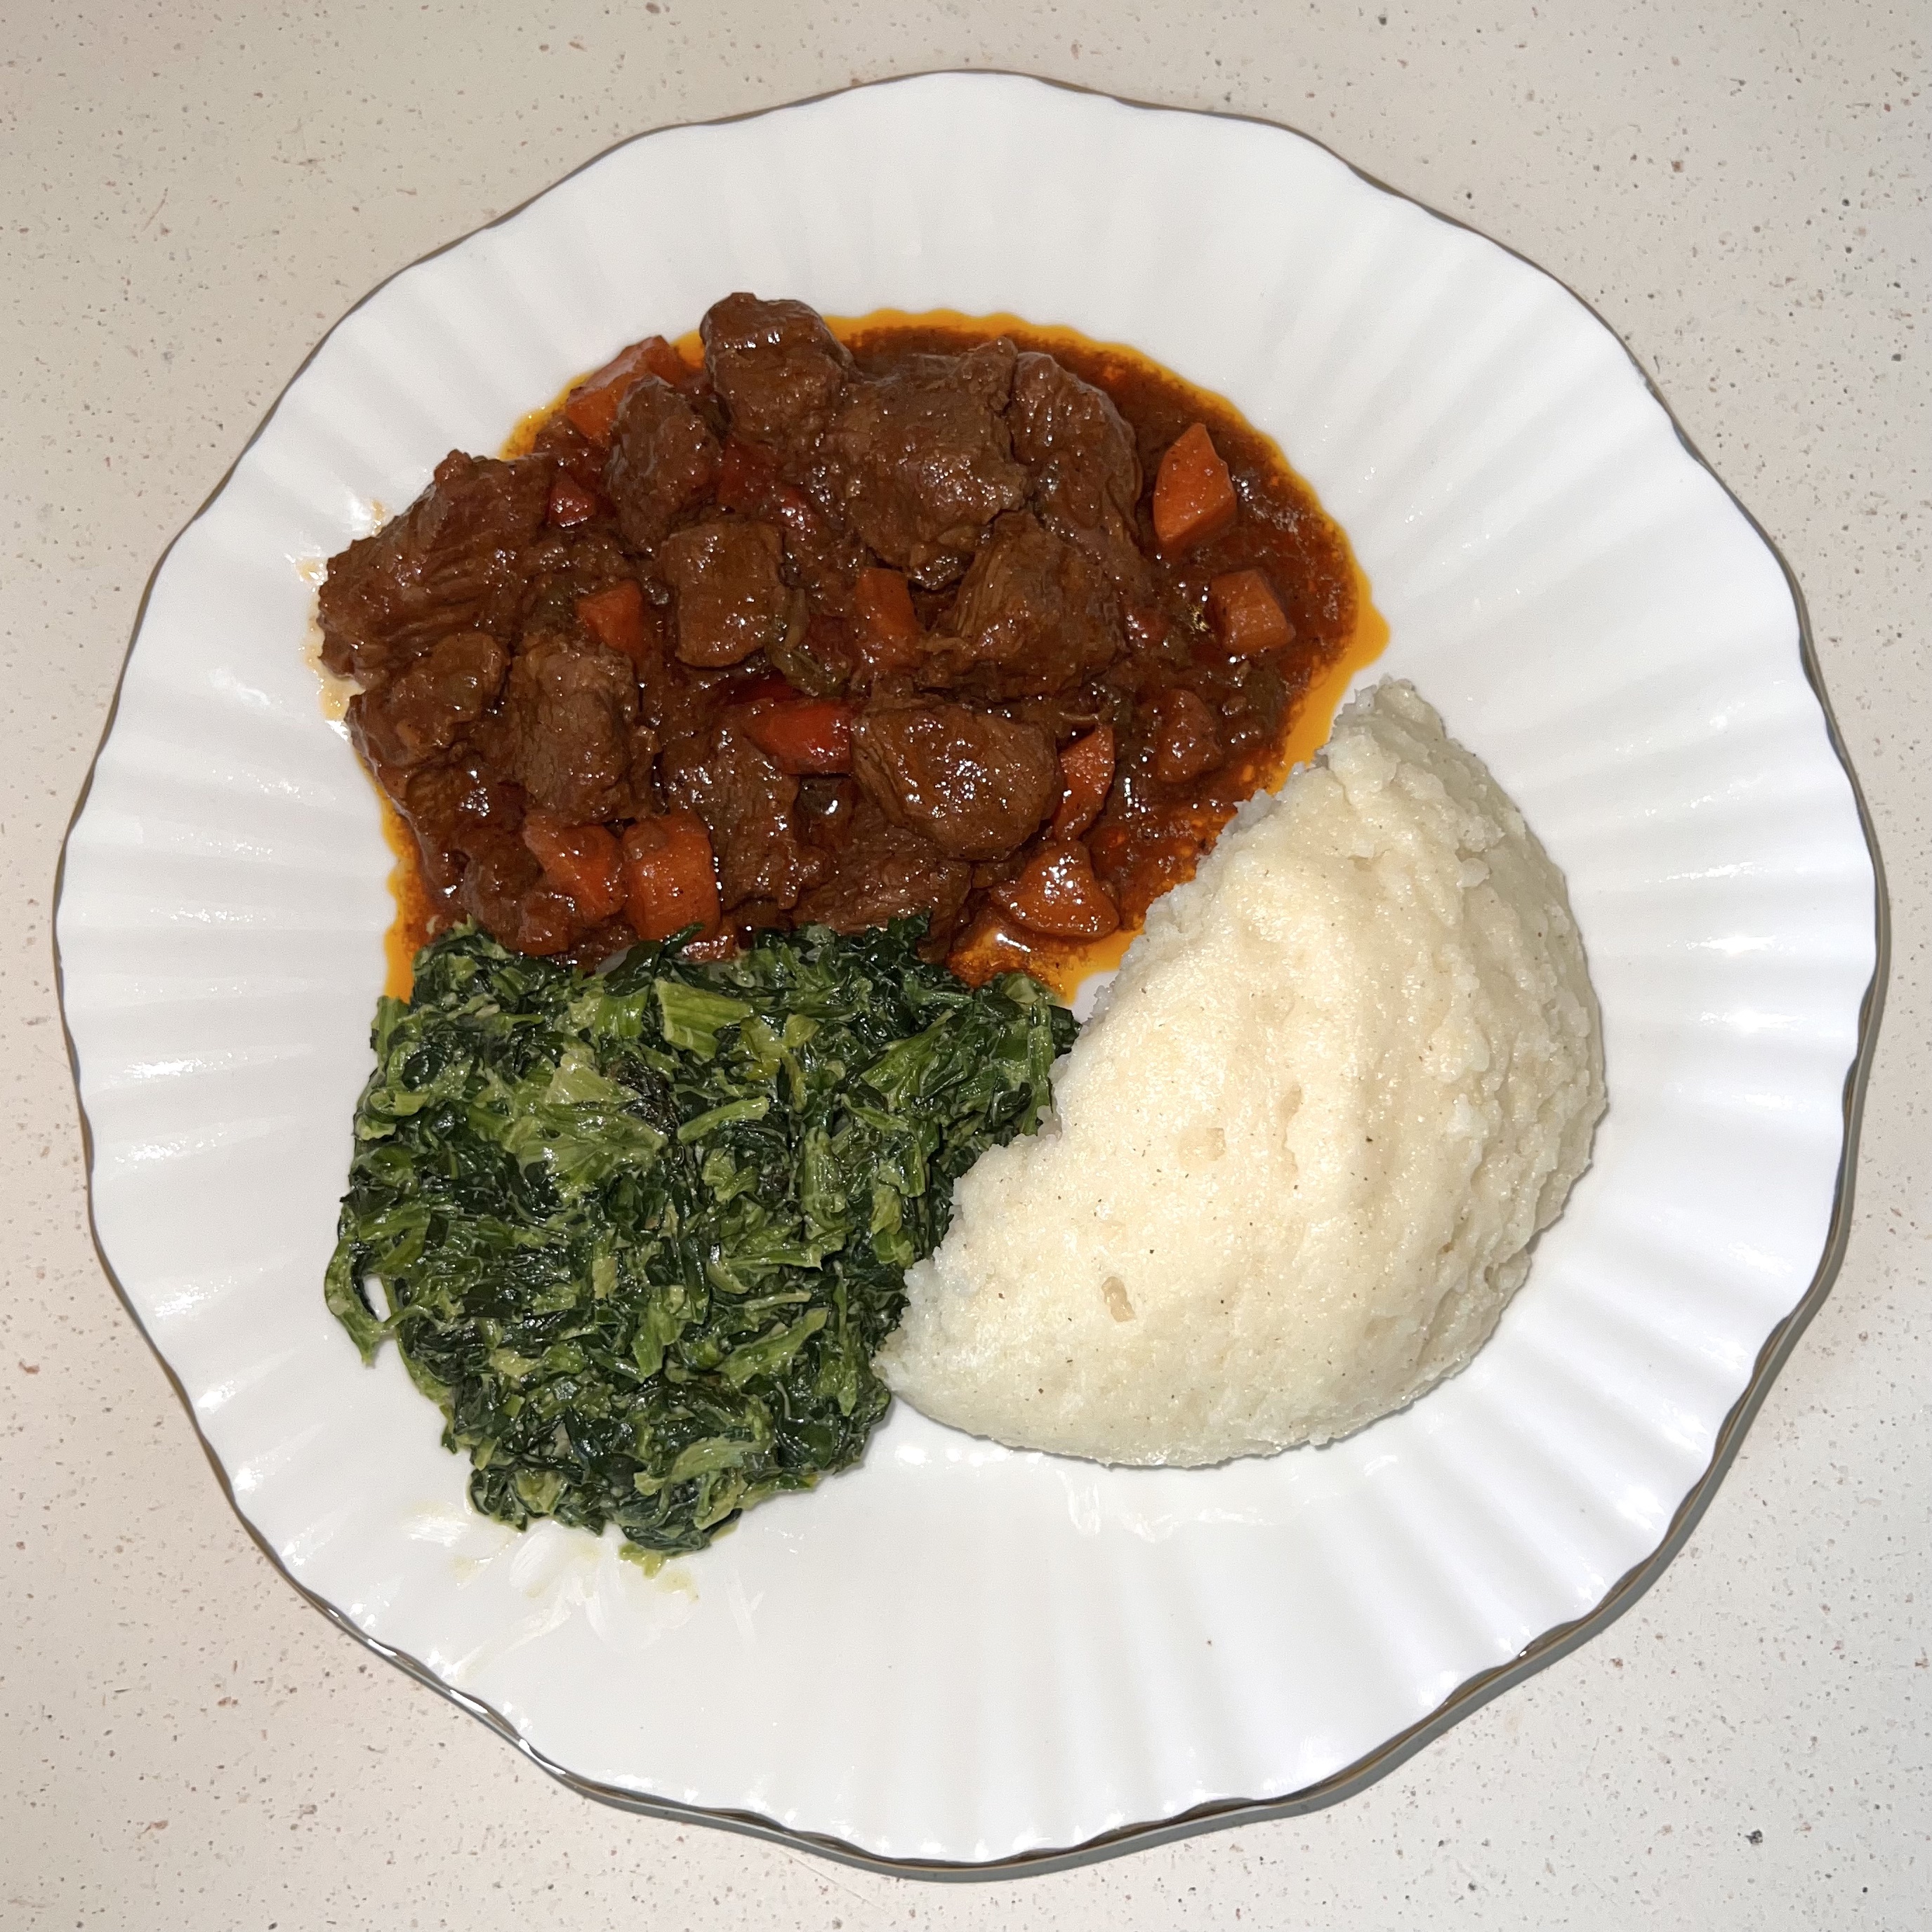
(991, 624)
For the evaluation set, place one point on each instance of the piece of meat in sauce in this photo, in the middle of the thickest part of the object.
(570, 716)
(562, 566)
(663, 458)
(922, 460)
(886, 871)
(452, 561)
(778, 368)
(732, 596)
(751, 808)
(823, 556)
(506, 891)
(411, 718)
(1085, 471)
(499, 875)
(456, 804)
(577, 490)
(1034, 615)
(977, 784)
(468, 821)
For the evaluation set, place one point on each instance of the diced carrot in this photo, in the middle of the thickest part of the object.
(592, 405)
(889, 628)
(1193, 495)
(1246, 615)
(812, 734)
(884, 605)
(769, 689)
(1086, 777)
(992, 944)
(582, 860)
(1058, 895)
(670, 880)
(662, 360)
(615, 615)
(1190, 740)
(570, 502)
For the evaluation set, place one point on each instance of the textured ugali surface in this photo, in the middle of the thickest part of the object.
(1296, 1161)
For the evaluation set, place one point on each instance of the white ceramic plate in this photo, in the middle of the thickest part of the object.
(957, 1656)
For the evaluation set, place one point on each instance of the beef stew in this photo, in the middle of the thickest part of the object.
(988, 623)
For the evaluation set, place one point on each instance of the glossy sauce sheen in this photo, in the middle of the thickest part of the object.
(1152, 831)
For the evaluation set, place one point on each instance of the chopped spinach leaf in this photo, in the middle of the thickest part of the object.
(639, 1233)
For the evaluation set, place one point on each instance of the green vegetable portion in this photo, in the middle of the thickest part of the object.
(639, 1234)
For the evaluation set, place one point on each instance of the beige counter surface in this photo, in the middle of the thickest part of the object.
(193, 194)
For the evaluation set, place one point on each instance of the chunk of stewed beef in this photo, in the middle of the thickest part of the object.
(732, 596)
(453, 561)
(562, 566)
(1034, 615)
(976, 785)
(577, 490)
(663, 458)
(510, 892)
(571, 711)
(413, 717)
(1085, 471)
(828, 806)
(456, 804)
(751, 808)
(923, 460)
(888, 872)
(778, 368)
(500, 874)
(823, 554)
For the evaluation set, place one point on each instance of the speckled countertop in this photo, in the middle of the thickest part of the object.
(194, 194)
